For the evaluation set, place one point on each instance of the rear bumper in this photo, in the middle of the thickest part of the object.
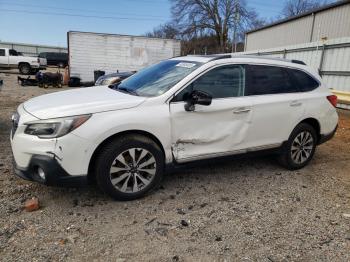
(55, 175)
(325, 138)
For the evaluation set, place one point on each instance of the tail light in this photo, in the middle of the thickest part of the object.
(333, 99)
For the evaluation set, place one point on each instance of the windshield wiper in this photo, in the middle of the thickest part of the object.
(123, 89)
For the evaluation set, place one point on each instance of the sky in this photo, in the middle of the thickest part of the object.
(47, 21)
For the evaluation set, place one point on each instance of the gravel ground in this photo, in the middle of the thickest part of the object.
(246, 209)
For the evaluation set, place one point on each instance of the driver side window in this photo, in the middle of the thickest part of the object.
(221, 82)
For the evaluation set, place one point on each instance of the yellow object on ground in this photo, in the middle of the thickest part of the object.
(343, 97)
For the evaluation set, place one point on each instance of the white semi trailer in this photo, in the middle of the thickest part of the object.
(89, 52)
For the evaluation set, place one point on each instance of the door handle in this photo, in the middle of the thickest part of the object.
(241, 110)
(295, 103)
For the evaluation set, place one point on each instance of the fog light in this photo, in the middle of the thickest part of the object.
(41, 173)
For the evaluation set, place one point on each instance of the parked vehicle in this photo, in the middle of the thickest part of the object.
(49, 79)
(177, 111)
(113, 78)
(55, 58)
(10, 58)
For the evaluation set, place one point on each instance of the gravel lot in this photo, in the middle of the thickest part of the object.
(246, 209)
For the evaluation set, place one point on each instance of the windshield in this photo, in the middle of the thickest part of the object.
(159, 78)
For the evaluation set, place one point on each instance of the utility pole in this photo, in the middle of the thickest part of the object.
(236, 21)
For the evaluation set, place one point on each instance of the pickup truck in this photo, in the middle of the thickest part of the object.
(10, 58)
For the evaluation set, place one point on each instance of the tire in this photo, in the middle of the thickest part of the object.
(300, 147)
(133, 158)
(24, 69)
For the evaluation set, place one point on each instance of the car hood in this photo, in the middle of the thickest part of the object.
(80, 101)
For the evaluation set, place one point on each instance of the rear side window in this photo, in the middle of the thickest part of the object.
(264, 80)
(2, 52)
(13, 52)
(305, 81)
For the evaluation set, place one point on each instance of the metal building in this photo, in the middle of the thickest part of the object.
(32, 49)
(325, 23)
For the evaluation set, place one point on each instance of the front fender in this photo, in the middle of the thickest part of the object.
(101, 126)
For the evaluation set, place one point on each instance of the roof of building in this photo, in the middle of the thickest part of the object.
(313, 11)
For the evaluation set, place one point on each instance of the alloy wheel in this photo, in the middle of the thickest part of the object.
(302, 147)
(132, 170)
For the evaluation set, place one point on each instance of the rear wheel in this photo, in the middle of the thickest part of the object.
(129, 167)
(299, 148)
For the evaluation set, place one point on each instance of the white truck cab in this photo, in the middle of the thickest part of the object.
(179, 110)
(10, 58)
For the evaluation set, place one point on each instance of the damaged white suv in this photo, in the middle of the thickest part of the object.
(179, 110)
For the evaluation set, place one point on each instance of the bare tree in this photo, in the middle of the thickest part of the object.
(167, 30)
(198, 18)
(297, 7)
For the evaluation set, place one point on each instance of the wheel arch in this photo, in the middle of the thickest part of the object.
(114, 136)
(315, 124)
(23, 63)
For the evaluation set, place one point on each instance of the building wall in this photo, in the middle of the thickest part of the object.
(330, 23)
(294, 32)
(31, 49)
(93, 51)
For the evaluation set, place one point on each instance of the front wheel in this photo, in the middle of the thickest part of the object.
(129, 167)
(24, 69)
(300, 147)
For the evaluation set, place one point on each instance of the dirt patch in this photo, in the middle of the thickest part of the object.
(239, 210)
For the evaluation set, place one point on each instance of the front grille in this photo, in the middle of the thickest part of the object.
(15, 120)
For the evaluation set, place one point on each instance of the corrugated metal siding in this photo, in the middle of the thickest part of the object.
(313, 59)
(32, 50)
(330, 23)
(91, 51)
(295, 32)
(335, 60)
(338, 83)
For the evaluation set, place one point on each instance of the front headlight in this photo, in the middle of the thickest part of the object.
(110, 80)
(53, 128)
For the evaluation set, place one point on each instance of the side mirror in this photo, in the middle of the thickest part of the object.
(197, 97)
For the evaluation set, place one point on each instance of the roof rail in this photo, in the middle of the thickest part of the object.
(214, 57)
(271, 58)
(225, 56)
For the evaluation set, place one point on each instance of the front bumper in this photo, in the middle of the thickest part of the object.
(40, 67)
(55, 175)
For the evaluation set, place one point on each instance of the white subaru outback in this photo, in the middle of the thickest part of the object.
(183, 109)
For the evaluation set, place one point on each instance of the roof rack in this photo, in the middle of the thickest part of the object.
(225, 56)
(262, 57)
